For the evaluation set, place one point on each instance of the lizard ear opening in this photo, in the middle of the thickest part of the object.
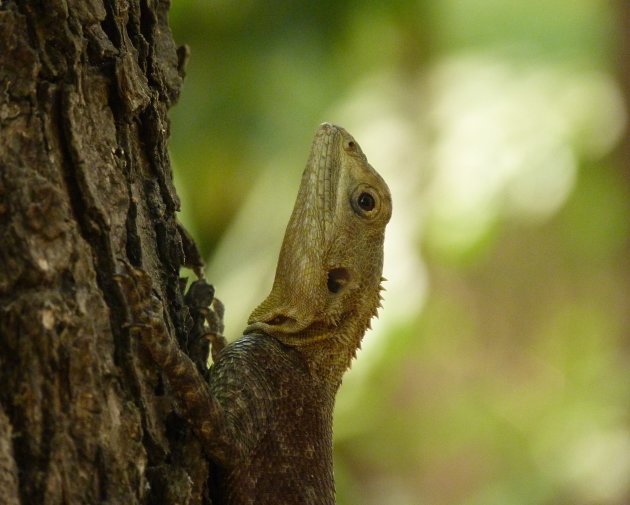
(337, 279)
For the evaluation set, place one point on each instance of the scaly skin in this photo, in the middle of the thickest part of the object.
(265, 414)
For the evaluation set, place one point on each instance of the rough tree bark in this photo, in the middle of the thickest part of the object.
(85, 184)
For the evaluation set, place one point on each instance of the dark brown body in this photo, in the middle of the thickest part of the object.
(285, 414)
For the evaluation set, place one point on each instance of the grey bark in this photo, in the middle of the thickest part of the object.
(86, 183)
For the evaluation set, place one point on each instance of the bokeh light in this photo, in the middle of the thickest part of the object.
(498, 371)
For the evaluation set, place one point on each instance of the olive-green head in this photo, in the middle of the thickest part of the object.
(330, 265)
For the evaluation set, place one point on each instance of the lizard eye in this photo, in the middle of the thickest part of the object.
(365, 201)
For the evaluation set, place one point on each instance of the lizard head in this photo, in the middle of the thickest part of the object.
(329, 271)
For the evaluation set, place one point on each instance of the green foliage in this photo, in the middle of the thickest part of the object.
(498, 372)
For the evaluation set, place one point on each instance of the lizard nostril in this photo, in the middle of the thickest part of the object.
(337, 279)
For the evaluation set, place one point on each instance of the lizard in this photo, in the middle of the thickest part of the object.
(263, 412)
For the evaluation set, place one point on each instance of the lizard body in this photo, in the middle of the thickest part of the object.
(264, 415)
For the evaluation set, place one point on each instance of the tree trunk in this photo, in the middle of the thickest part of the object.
(86, 184)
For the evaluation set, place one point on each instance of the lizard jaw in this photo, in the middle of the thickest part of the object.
(289, 331)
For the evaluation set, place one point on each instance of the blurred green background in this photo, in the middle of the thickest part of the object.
(498, 372)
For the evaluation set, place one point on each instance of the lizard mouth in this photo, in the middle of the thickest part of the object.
(280, 319)
(292, 331)
(337, 280)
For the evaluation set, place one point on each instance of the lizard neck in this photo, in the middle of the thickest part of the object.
(329, 359)
(329, 347)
